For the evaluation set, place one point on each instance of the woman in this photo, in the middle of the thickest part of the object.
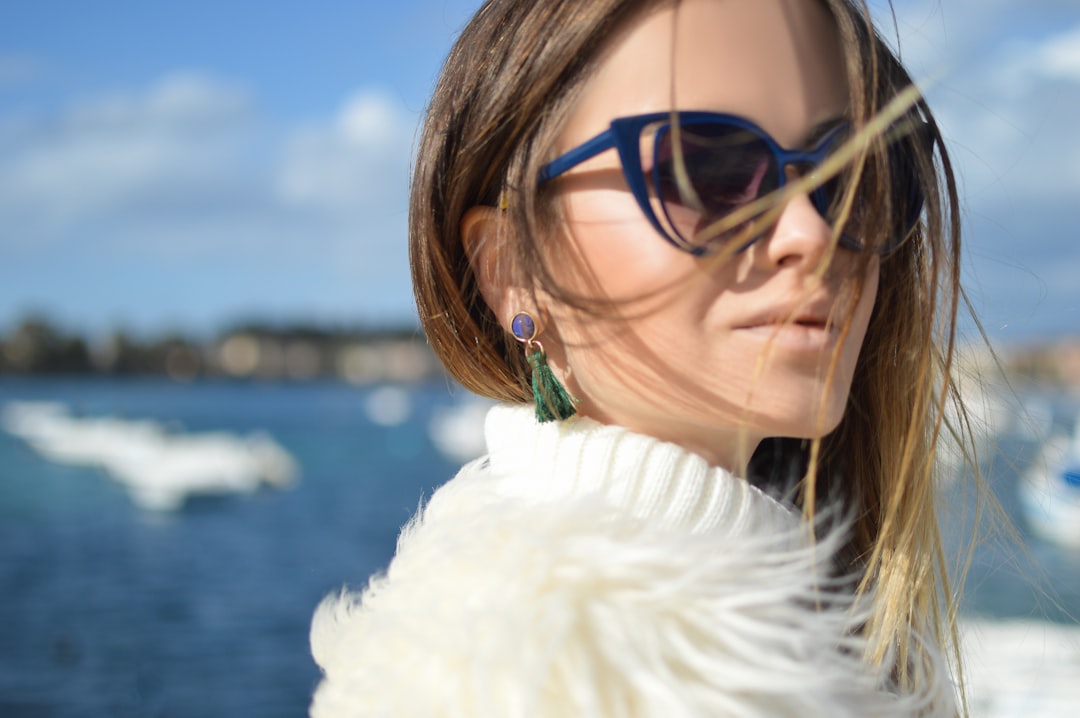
(708, 241)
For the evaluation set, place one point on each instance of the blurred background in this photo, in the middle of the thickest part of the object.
(215, 404)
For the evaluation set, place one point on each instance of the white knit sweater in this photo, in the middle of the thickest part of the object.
(583, 570)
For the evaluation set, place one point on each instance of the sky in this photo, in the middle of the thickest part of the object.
(182, 166)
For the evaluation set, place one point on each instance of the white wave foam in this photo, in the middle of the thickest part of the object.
(160, 469)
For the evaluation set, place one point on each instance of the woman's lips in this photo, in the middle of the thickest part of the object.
(804, 334)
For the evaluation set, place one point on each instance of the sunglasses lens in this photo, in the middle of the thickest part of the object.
(701, 173)
(901, 215)
(904, 175)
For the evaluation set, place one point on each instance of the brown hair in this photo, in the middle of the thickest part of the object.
(502, 95)
(506, 88)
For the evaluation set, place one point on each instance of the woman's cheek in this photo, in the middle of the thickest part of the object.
(618, 248)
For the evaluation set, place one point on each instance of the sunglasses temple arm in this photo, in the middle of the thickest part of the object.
(602, 142)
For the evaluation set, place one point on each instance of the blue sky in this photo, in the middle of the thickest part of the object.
(183, 165)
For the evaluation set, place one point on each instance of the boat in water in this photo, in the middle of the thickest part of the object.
(159, 468)
(457, 431)
(1050, 490)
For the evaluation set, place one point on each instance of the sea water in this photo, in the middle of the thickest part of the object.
(110, 609)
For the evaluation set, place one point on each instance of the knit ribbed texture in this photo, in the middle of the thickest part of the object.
(654, 480)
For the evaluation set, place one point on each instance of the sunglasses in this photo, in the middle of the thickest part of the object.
(688, 177)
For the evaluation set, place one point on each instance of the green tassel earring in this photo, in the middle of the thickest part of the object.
(552, 400)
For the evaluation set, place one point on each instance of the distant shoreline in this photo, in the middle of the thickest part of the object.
(259, 351)
(366, 355)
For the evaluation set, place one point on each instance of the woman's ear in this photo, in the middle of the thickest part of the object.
(482, 236)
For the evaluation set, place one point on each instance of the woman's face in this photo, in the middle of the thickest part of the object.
(719, 355)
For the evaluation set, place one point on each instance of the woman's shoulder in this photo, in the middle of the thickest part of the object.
(570, 608)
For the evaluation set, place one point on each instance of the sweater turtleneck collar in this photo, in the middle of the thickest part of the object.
(647, 478)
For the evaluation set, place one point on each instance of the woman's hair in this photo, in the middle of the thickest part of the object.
(506, 89)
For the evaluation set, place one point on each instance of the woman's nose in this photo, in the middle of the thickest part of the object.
(800, 236)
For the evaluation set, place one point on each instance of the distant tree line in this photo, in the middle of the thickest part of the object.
(38, 347)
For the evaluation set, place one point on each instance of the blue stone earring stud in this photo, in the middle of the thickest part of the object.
(552, 400)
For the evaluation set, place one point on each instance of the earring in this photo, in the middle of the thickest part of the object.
(551, 398)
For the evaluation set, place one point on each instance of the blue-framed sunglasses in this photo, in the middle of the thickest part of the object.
(729, 162)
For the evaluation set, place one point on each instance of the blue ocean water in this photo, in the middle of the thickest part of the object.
(108, 609)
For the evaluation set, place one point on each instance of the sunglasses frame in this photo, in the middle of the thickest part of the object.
(624, 135)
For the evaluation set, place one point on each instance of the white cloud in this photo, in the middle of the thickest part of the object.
(371, 120)
(358, 160)
(1060, 56)
(188, 178)
(180, 103)
(1025, 65)
(1006, 100)
(191, 150)
(120, 155)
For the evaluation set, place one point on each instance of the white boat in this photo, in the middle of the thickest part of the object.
(1050, 491)
(388, 406)
(160, 469)
(457, 431)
